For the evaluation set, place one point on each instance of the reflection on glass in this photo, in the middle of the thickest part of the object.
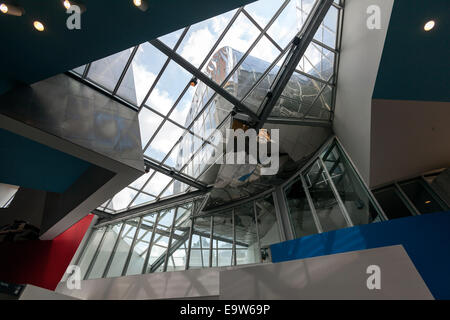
(268, 228)
(200, 243)
(180, 241)
(90, 250)
(140, 248)
(123, 248)
(422, 199)
(160, 245)
(299, 210)
(238, 39)
(297, 97)
(247, 246)
(223, 239)
(352, 192)
(105, 250)
(391, 203)
(317, 61)
(106, 72)
(325, 203)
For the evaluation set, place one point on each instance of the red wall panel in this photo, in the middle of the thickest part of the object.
(41, 263)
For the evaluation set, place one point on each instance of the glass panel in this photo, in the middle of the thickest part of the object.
(297, 97)
(141, 246)
(327, 208)
(106, 72)
(254, 65)
(321, 108)
(223, 239)
(168, 89)
(90, 250)
(317, 61)
(200, 243)
(171, 39)
(328, 29)
(420, 197)
(122, 199)
(247, 246)
(255, 98)
(105, 251)
(161, 241)
(202, 36)
(286, 26)
(391, 203)
(164, 141)
(268, 228)
(139, 182)
(157, 184)
(141, 74)
(80, 70)
(303, 8)
(141, 199)
(148, 123)
(299, 210)
(353, 194)
(180, 241)
(262, 11)
(123, 248)
(236, 42)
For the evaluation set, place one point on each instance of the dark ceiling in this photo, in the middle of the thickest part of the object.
(415, 64)
(107, 27)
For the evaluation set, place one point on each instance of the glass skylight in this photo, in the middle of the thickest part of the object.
(241, 50)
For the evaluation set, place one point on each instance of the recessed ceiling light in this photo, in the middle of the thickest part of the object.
(429, 25)
(141, 4)
(38, 26)
(3, 8)
(11, 10)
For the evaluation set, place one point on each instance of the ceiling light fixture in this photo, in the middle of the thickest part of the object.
(68, 4)
(429, 25)
(141, 4)
(193, 82)
(11, 10)
(39, 26)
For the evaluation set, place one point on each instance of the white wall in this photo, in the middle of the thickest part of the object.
(338, 276)
(360, 57)
(408, 139)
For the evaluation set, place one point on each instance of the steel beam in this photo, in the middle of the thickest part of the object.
(298, 49)
(158, 205)
(177, 176)
(299, 122)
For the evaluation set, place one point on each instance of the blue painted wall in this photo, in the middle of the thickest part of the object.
(415, 63)
(426, 239)
(29, 164)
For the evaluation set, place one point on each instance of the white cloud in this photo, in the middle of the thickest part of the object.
(198, 46)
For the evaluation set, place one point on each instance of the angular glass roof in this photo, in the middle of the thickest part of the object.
(242, 51)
